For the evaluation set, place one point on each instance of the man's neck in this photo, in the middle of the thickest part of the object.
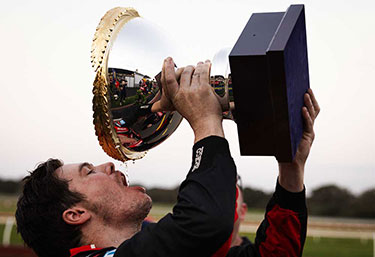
(105, 235)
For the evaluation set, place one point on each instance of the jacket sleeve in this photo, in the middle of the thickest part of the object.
(202, 219)
(282, 233)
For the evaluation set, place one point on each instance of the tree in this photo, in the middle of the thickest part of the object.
(10, 186)
(255, 198)
(159, 195)
(364, 205)
(331, 200)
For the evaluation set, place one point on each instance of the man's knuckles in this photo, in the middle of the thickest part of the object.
(188, 70)
(170, 80)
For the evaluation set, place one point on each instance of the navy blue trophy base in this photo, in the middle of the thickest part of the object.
(270, 75)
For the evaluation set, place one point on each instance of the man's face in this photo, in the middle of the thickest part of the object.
(241, 206)
(241, 211)
(106, 191)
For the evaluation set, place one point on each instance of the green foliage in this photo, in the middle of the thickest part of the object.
(330, 200)
(255, 198)
(10, 186)
(159, 195)
(364, 205)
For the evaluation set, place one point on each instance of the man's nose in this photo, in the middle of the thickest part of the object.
(107, 167)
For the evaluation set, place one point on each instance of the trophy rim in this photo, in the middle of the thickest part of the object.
(106, 32)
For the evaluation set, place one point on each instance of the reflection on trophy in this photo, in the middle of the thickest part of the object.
(259, 82)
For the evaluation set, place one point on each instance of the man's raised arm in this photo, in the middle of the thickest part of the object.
(202, 220)
(283, 231)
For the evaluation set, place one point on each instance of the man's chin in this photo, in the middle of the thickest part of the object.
(147, 206)
(143, 209)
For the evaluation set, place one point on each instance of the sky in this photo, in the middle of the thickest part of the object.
(46, 86)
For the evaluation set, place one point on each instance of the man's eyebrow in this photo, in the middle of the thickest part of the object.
(82, 165)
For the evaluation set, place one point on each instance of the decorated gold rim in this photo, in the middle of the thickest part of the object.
(106, 33)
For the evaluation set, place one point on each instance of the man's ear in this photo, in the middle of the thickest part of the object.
(243, 211)
(76, 216)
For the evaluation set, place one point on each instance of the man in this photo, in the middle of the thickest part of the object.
(89, 207)
(241, 210)
(123, 87)
(283, 231)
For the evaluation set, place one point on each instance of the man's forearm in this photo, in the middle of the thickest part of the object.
(283, 230)
(291, 174)
(291, 177)
(203, 217)
(207, 128)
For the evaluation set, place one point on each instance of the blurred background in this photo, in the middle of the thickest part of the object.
(46, 107)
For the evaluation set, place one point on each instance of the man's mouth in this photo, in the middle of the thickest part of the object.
(123, 179)
(141, 189)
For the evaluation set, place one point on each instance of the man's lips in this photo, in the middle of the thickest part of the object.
(123, 179)
(124, 182)
(139, 188)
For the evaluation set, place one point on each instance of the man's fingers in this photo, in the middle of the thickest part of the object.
(201, 74)
(196, 75)
(178, 73)
(309, 106)
(162, 78)
(205, 73)
(314, 102)
(185, 79)
(170, 81)
(308, 121)
(163, 81)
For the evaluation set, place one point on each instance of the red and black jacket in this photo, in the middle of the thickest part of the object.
(282, 233)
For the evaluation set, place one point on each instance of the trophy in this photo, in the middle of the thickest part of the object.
(260, 83)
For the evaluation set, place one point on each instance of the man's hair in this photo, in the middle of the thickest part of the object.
(239, 184)
(39, 212)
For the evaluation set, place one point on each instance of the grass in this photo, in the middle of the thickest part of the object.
(15, 239)
(333, 247)
(8, 203)
(338, 247)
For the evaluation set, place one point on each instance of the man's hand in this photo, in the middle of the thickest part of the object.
(291, 174)
(164, 104)
(194, 98)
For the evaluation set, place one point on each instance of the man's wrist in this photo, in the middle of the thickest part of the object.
(206, 128)
(295, 201)
(206, 150)
(291, 177)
